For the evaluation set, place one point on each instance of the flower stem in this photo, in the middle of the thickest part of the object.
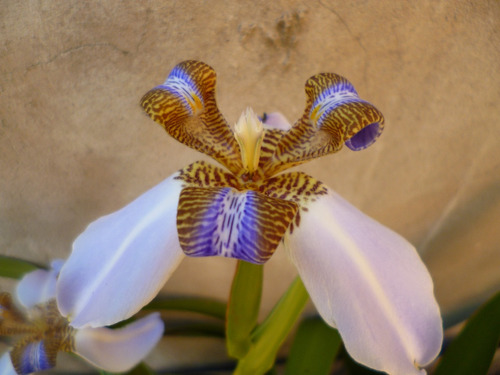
(268, 337)
(243, 308)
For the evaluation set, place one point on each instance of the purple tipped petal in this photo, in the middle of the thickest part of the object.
(118, 350)
(182, 85)
(120, 262)
(365, 137)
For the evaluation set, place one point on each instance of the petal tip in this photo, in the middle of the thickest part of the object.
(365, 137)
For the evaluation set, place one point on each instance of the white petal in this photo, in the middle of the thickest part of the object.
(56, 265)
(370, 283)
(276, 120)
(38, 286)
(120, 262)
(6, 367)
(119, 350)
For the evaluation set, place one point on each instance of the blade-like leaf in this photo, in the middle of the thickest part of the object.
(473, 349)
(243, 308)
(205, 306)
(268, 337)
(16, 268)
(314, 348)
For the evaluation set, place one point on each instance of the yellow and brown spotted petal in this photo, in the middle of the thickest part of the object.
(296, 187)
(12, 321)
(245, 225)
(33, 354)
(271, 140)
(185, 106)
(334, 115)
(203, 174)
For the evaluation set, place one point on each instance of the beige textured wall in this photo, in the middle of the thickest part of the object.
(74, 143)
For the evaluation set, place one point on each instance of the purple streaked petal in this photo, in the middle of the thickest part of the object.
(118, 350)
(29, 357)
(120, 262)
(246, 225)
(370, 283)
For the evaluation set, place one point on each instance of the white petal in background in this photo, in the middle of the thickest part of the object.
(38, 286)
(119, 350)
(6, 367)
(120, 262)
(276, 120)
(370, 283)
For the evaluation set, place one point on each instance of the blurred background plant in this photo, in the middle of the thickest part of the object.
(470, 345)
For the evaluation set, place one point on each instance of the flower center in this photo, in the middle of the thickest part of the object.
(249, 132)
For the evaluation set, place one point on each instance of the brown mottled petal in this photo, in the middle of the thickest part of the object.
(297, 187)
(12, 321)
(246, 225)
(334, 115)
(203, 174)
(185, 106)
(271, 139)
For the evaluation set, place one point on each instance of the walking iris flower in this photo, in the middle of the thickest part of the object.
(364, 279)
(44, 332)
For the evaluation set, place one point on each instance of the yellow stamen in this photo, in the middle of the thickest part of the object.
(249, 132)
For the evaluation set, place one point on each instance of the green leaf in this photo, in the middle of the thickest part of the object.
(196, 328)
(205, 306)
(355, 368)
(268, 337)
(314, 348)
(473, 349)
(141, 369)
(16, 268)
(243, 307)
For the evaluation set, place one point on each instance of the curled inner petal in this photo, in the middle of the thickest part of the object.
(245, 225)
(12, 321)
(185, 106)
(365, 137)
(334, 114)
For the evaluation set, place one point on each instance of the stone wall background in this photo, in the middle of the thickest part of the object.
(75, 145)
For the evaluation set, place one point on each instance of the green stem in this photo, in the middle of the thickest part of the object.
(243, 308)
(269, 336)
(205, 306)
